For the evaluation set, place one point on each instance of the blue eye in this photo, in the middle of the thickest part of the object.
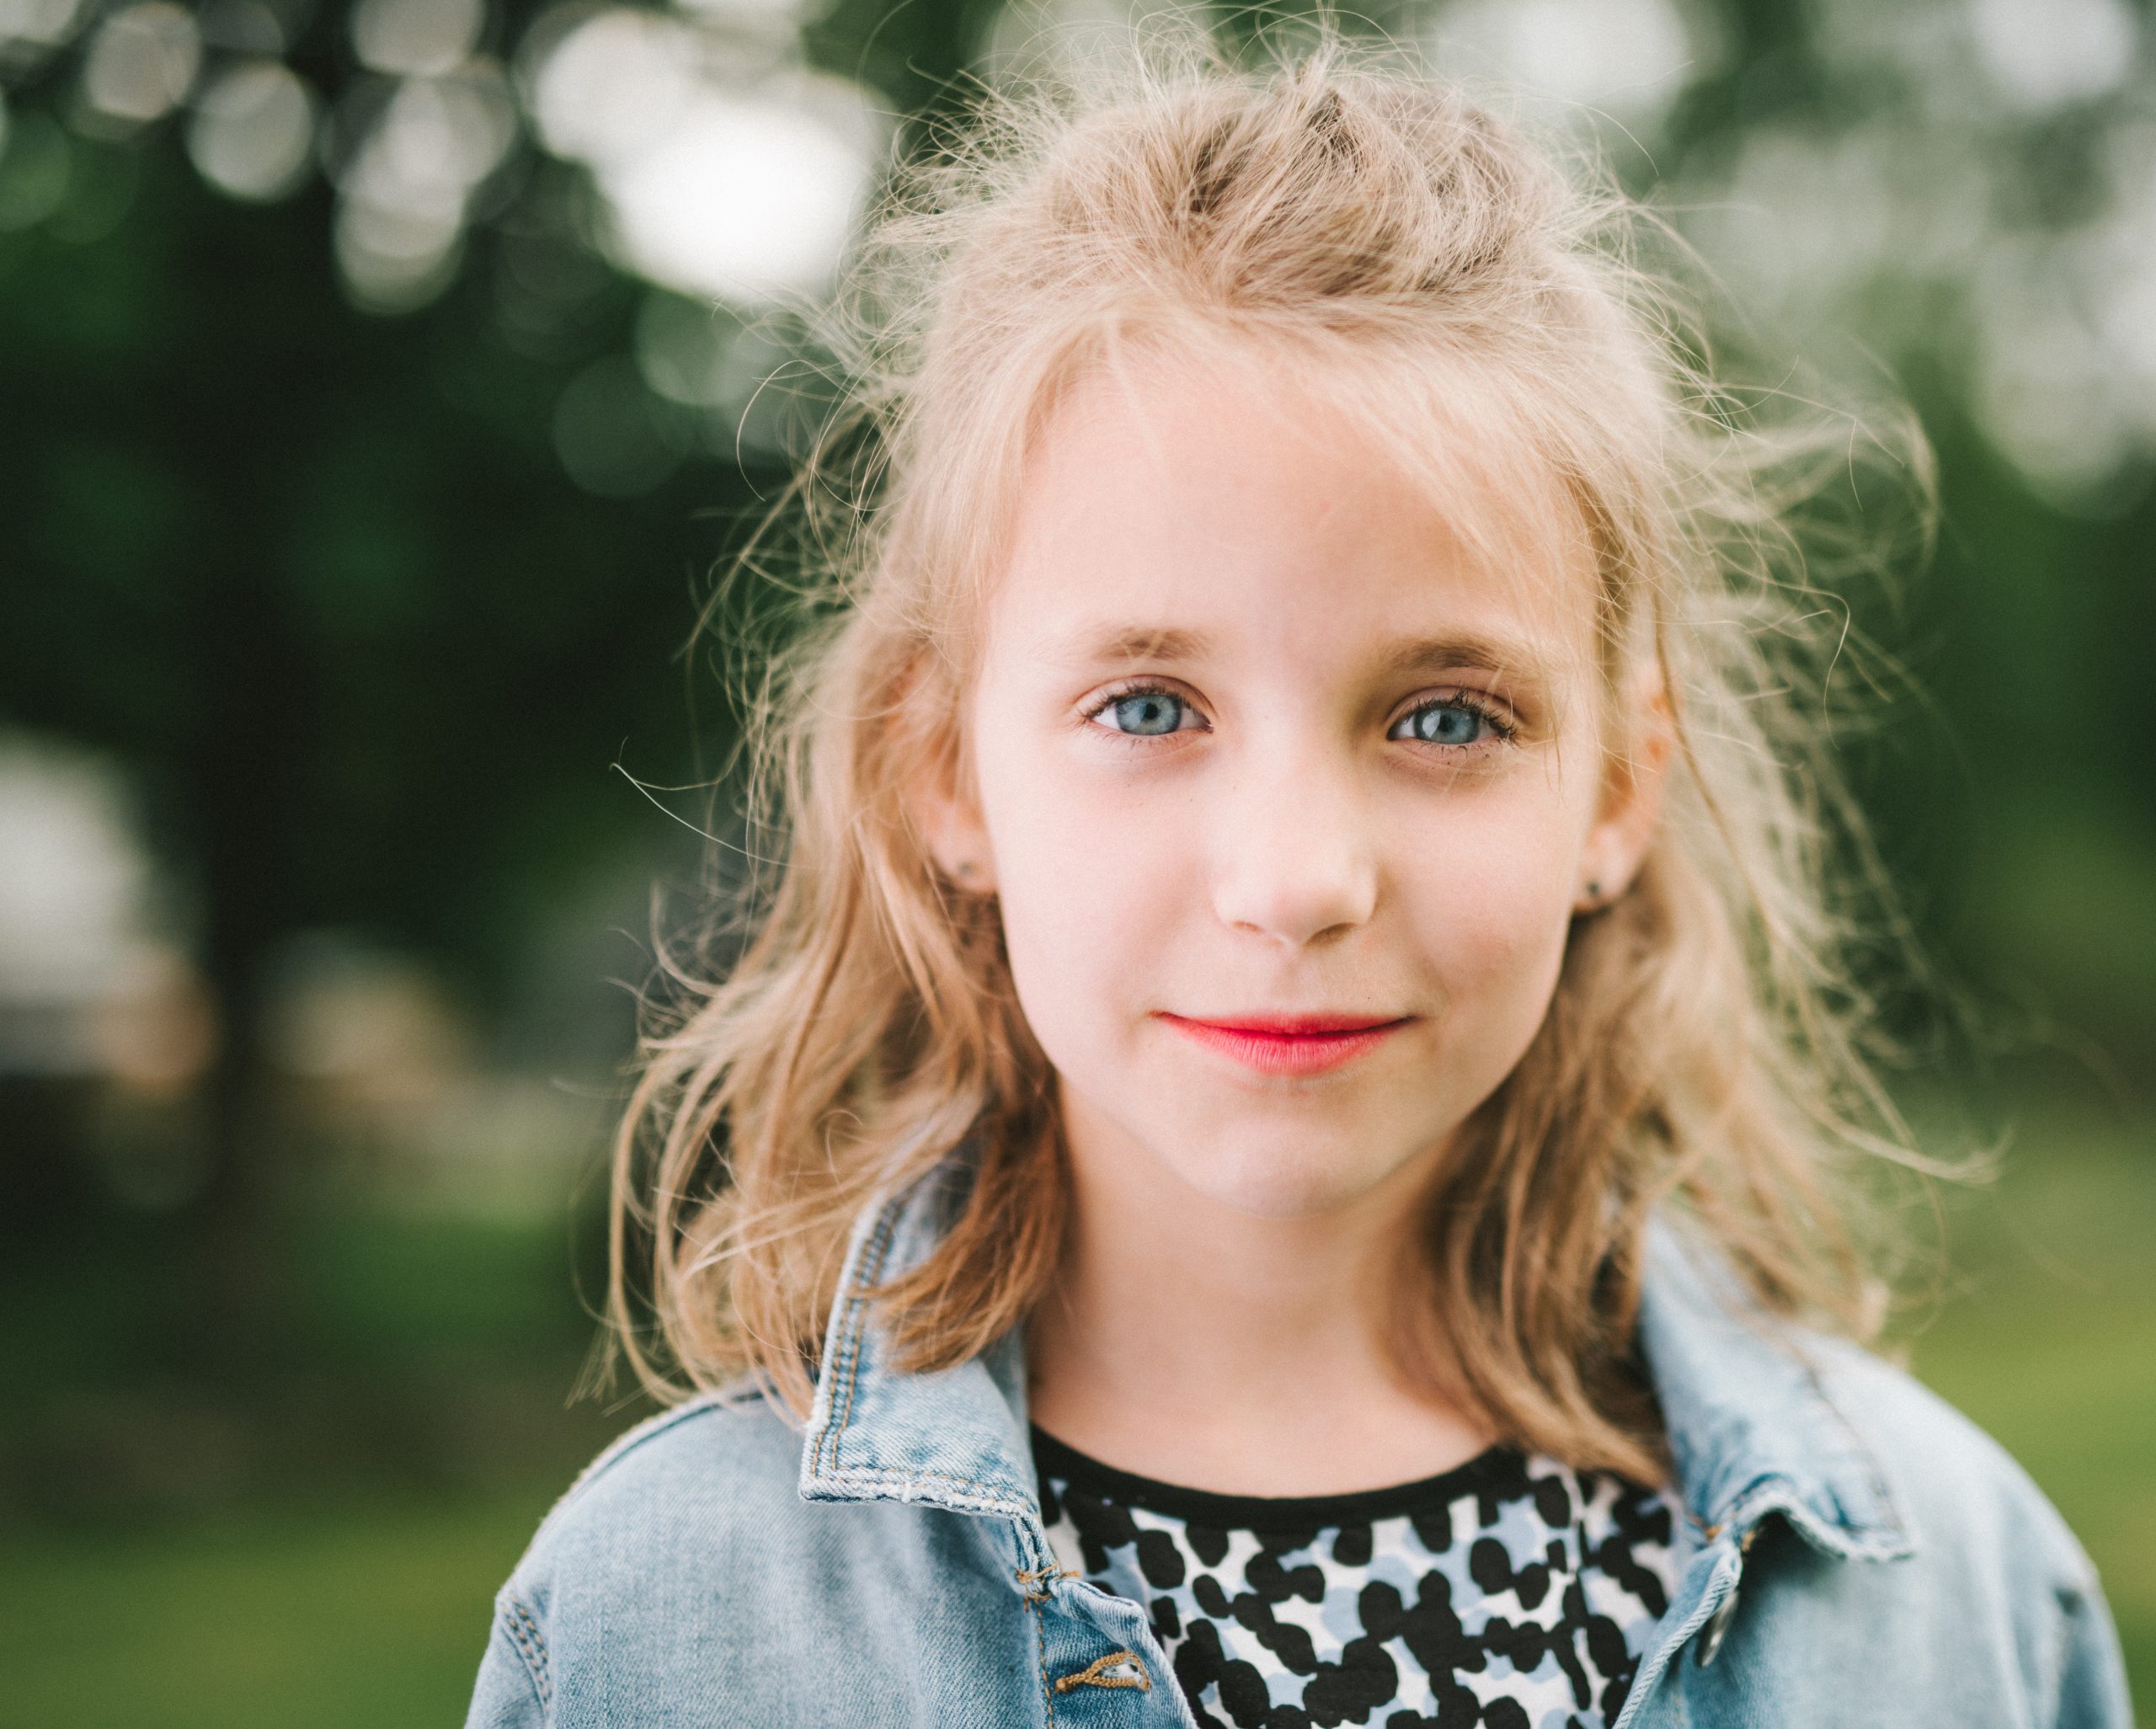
(1146, 714)
(1449, 723)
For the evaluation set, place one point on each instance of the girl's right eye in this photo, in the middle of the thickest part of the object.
(1147, 712)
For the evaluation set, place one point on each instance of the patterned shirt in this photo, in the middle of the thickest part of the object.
(1512, 1591)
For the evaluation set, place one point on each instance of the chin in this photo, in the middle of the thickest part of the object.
(1299, 1182)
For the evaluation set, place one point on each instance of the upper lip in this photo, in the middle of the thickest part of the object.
(1290, 1025)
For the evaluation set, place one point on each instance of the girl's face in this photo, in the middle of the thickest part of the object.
(1259, 744)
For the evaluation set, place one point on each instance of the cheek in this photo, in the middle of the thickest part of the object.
(1491, 921)
(1085, 889)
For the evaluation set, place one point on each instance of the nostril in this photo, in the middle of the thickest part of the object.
(1296, 897)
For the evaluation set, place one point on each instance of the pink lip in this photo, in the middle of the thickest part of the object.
(1291, 1044)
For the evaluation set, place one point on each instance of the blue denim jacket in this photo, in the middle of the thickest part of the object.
(1861, 1554)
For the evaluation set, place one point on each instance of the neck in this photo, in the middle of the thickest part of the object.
(1187, 1341)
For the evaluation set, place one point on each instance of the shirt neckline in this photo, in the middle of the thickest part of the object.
(1498, 1469)
(1753, 1402)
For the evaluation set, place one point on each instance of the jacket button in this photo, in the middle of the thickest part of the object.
(1710, 1636)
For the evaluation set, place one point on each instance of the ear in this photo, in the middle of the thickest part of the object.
(948, 820)
(1632, 784)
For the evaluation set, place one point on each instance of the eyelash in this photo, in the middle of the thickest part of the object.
(1501, 725)
(1124, 692)
(1504, 729)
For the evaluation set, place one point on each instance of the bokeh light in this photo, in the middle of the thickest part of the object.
(77, 901)
(407, 186)
(1629, 57)
(252, 134)
(417, 38)
(142, 61)
(749, 198)
(2045, 54)
(715, 182)
(31, 30)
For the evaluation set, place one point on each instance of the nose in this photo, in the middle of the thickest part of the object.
(1294, 858)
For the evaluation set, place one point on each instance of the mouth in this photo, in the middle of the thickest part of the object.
(1288, 1044)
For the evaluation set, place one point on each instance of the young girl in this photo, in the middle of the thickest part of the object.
(1277, 1154)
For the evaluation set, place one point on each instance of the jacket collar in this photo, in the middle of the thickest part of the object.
(1752, 1429)
(954, 1438)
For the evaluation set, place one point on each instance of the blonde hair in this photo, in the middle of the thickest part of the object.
(1705, 1047)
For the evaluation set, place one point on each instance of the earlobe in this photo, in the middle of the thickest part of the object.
(952, 834)
(946, 823)
(1631, 803)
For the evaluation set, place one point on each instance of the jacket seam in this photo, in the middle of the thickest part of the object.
(718, 1399)
(524, 1631)
(625, 1443)
(879, 1473)
(1040, 1646)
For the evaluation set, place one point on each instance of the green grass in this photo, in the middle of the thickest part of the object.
(2048, 1340)
(352, 1615)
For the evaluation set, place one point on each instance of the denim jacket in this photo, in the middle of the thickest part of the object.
(1860, 1552)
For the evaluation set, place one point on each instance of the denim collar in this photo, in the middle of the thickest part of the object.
(1752, 1429)
(1752, 1426)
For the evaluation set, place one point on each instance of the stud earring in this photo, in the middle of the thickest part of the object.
(1595, 888)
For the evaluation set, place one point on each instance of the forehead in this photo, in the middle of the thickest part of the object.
(1202, 501)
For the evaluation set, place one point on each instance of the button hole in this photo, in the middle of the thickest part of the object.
(1102, 1671)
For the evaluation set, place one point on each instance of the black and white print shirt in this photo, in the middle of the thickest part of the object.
(1512, 1591)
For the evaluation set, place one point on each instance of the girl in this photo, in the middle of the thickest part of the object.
(1276, 1156)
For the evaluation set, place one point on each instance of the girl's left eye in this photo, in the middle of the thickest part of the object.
(1454, 721)
(1145, 713)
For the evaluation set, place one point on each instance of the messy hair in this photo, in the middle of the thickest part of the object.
(1707, 1049)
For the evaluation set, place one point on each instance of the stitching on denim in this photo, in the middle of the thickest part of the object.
(523, 1629)
(1030, 1578)
(983, 1492)
(1663, 1661)
(857, 1317)
(851, 1326)
(1040, 1645)
(719, 1399)
(1092, 1676)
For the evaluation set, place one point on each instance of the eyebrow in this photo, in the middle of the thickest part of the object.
(1401, 658)
(1120, 642)
(1522, 656)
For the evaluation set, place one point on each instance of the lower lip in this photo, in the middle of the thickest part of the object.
(1285, 1053)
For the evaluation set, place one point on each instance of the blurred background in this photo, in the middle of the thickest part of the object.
(381, 385)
